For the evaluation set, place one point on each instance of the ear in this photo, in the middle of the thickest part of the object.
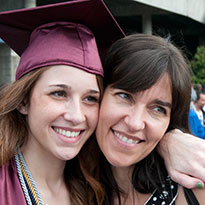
(23, 108)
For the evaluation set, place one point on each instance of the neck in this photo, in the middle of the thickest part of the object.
(123, 177)
(46, 170)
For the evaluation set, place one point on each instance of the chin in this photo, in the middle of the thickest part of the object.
(116, 162)
(120, 161)
(69, 155)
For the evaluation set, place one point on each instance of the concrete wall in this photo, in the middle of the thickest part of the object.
(8, 61)
(194, 9)
(14, 4)
(8, 58)
(159, 17)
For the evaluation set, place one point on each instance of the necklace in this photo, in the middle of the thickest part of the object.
(27, 183)
(133, 195)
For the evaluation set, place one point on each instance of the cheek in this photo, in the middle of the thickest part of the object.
(100, 126)
(158, 130)
(109, 112)
(44, 110)
(106, 121)
(39, 116)
(92, 117)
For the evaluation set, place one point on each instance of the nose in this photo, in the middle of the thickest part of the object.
(135, 119)
(74, 112)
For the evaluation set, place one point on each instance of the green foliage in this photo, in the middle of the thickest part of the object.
(198, 66)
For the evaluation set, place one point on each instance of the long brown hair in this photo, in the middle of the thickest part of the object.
(13, 126)
(80, 173)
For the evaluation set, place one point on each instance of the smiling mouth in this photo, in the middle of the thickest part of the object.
(67, 133)
(126, 139)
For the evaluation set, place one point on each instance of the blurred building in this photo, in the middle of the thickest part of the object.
(8, 58)
(184, 20)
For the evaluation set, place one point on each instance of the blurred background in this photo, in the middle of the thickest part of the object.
(184, 20)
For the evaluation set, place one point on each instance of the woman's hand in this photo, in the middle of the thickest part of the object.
(184, 156)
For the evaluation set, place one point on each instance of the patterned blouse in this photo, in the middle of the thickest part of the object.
(167, 196)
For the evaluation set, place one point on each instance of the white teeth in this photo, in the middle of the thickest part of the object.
(130, 141)
(118, 135)
(125, 139)
(66, 133)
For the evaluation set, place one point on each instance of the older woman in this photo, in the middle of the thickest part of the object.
(147, 94)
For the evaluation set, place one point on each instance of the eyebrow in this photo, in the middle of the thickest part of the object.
(70, 88)
(163, 103)
(60, 85)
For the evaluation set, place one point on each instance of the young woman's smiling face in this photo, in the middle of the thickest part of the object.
(62, 112)
(131, 125)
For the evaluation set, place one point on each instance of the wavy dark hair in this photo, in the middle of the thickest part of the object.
(135, 63)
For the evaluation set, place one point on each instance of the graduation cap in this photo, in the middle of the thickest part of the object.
(63, 33)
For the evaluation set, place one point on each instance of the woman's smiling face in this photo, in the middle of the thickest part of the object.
(131, 125)
(63, 111)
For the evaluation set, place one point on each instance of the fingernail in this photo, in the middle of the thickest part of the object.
(199, 185)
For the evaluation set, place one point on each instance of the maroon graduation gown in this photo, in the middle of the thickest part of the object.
(11, 192)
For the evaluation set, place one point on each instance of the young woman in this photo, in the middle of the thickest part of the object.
(45, 119)
(51, 110)
(147, 94)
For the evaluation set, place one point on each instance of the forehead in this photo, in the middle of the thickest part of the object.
(63, 74)
(162, 89)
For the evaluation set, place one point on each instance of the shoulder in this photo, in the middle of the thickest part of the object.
(198, 193)
(192, 113)
(9, 166)
(181, 200)
(8, 172)
(10, 186)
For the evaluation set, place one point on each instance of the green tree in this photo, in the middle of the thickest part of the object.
(198, 65)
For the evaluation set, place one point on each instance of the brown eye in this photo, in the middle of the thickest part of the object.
(59, 93)
(91, 99)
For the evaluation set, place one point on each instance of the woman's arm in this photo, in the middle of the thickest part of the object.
(184, 156)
